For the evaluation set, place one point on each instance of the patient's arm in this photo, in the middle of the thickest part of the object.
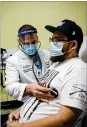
(66, 117)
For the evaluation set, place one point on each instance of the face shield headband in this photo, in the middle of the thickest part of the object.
(28, 49)
(27, 31)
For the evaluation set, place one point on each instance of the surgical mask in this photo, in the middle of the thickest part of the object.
(56, 49)
(30, 49)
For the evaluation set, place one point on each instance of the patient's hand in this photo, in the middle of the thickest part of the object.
(14, 116)
(13, 124)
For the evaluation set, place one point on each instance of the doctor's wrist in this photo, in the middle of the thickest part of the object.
(28, 90)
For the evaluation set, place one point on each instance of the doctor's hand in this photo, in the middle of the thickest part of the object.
(14, 116)
(39, 91)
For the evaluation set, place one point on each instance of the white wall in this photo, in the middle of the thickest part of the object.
(14, 14)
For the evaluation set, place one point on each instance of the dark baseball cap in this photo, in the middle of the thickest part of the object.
(70, 29)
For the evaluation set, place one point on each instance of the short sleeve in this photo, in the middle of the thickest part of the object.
(74, 91)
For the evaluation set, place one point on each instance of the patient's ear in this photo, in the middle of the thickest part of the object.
(74, 44)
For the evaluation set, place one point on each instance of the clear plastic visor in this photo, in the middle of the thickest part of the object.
(28, 39)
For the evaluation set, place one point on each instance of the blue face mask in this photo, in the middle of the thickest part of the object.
(30, 49)
(56, 49)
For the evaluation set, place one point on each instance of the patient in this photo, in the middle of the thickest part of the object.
(67, 77)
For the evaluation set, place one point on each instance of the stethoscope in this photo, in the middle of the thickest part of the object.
(20, 47)
(54, 92)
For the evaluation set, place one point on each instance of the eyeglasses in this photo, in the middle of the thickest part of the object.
(56, 39)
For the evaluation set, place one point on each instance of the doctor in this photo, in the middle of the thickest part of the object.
(25, 67)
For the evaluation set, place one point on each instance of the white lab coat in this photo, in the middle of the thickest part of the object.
(19, 72)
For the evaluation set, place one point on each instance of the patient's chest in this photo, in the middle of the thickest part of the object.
(54, 79)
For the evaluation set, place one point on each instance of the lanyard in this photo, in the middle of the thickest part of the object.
(37, 61)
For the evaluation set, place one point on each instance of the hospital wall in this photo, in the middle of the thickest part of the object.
(15, 14)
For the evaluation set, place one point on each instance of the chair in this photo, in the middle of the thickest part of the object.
(83, 50)
(8, 105)
(83, 56)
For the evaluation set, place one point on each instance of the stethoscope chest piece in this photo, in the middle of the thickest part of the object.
(55, 92)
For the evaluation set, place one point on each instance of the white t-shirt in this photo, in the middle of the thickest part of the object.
(69, 79)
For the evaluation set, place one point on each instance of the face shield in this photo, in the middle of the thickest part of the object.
(27, 36)
(28, 41)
